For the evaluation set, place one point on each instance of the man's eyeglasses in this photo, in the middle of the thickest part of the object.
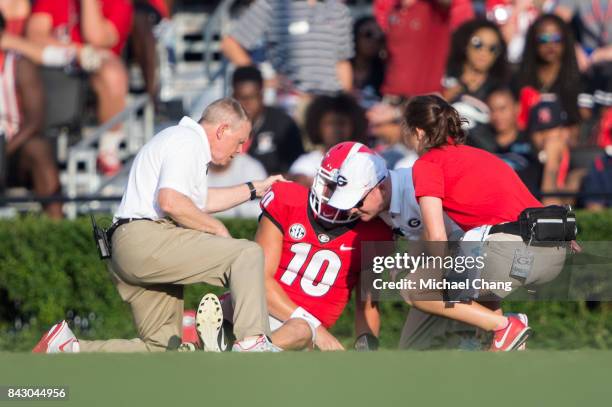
(478, 44)
(360, 203)
(553, 38)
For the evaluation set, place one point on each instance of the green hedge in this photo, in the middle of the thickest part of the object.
(50, 271)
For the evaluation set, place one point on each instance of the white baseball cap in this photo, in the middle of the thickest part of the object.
(359, 174)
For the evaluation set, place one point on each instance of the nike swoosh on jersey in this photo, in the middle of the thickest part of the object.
(345, 248)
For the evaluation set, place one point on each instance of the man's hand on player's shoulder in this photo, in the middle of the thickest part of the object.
(325, 341)
(262, 186)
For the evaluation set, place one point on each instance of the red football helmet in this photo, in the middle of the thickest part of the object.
(326, 180)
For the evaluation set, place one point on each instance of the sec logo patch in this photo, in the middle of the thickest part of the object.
(297, 231)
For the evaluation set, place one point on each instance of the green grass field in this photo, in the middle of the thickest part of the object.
(385, 378)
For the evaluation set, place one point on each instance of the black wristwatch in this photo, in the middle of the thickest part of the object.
(252, 190)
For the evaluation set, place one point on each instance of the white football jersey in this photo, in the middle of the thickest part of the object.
(404, 214)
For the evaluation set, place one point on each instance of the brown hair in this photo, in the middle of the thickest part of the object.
(438, 119)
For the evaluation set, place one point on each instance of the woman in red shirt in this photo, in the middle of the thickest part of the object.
(480, 193)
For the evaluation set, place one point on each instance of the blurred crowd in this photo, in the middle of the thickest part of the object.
(533, 78)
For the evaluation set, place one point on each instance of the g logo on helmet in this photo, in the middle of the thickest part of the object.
(297, 231)
(341, 181)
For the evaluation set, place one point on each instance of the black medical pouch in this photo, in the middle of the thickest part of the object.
(548, 224)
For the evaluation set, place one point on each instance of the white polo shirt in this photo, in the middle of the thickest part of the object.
(176, 158)
(404, 214)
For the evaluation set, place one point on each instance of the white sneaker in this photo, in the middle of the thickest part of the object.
(260, 344)
(209, 324)
(59, 339)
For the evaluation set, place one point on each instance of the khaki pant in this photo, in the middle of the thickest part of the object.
(427, 331)
(151, 263)
(499, 249)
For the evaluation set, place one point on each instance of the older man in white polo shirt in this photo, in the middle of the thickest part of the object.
(164, 237)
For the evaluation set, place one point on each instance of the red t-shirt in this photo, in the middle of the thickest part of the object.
(418, 39)
(476, 187)
(318, 268)
(65, 18)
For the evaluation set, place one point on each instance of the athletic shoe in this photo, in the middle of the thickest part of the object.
(187, 347)
(109, 164)
(209, 324)
(59, 339)
(260, 344)
(525, 320)
(511, 337)
(190, 335)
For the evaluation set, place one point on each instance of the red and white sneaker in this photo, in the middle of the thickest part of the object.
(511, 337)
(59, 339)
(260, 344)
(525, 320)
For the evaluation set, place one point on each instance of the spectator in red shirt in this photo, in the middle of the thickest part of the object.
(418, 31)
(104, 25)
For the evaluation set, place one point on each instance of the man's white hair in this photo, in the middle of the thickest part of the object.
(226, 110)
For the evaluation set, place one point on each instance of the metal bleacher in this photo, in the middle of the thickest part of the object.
(186, 85)
(192, 74)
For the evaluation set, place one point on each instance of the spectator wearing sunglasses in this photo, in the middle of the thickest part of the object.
(550, 67)
(477, 64)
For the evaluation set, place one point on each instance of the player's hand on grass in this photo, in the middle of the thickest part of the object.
(575, 247)
(326, 341)
(262, 186)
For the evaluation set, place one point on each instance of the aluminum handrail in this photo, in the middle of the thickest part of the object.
(220, 12)
(140, 102)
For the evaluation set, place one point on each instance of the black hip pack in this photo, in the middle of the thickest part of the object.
(548, 224)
